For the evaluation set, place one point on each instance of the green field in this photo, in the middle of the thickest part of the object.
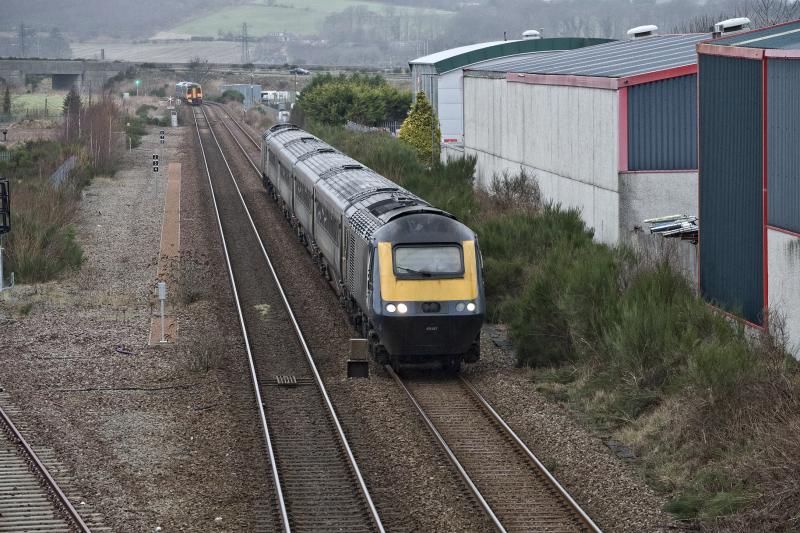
(33, 102)
(304, 17)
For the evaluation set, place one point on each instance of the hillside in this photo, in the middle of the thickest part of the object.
(302, 17)
(103, 18)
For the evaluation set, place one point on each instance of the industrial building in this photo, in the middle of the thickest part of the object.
(609, 129)
(749, 134)
(439, 75)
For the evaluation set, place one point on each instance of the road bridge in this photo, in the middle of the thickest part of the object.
(65, 73)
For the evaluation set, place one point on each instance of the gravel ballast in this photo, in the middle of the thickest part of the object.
(409, 477)
(151, 440)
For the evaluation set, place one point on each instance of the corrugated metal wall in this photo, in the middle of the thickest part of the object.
(662, 124)
(731, 221)
(783, 149)
(425, 78)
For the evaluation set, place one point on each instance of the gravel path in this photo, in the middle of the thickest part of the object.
(151, 440)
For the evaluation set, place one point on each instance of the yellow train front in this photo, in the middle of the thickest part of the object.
(190, 92)
(428, 301)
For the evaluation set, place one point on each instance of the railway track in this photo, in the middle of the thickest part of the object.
(30, 497)
(511, 485)
(505, 478)
(317, 483)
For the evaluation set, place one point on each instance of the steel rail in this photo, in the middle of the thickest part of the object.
(63, 500)
(251, 362)
(588, 522)
(222, 107)
(584, 517)
(450, 454)
(306, 350)
(238, 125)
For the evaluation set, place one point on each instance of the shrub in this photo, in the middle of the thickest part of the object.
(369, 100)
(144, 110)
(421, 130)
(160, 92)
(517, 192)
(207, 352)
(231, 96)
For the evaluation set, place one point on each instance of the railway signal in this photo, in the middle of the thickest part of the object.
(161, 136)
(155, 162)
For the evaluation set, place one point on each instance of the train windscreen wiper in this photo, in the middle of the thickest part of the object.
(417, 272)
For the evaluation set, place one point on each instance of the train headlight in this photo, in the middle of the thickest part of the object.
(391, 308)
(460, 307)
(470, 307)
(403, 308)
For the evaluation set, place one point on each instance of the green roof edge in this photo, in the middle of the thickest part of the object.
(513, 48)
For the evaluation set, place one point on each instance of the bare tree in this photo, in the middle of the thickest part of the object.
(199, 69)
(771, 12)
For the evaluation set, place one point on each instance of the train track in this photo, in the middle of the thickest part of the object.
(317, 483)
(30, 497)
(511, 485)
(506, 479)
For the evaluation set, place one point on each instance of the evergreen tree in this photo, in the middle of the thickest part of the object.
(72, 112)
(7, 101)
(421, 130)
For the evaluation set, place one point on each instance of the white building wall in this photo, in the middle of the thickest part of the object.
(566, 136)
(450, 106)
(783, 267)
(644, 195)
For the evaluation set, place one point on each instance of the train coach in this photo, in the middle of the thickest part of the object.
(189, 92)
(408, 273)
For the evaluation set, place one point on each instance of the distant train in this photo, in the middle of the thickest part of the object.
(408, 274)
(189, 92)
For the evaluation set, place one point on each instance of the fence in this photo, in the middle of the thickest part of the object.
(390, 126)
(61, 173)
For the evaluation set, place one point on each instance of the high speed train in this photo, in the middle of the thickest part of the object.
(408, 273)
(189, 92)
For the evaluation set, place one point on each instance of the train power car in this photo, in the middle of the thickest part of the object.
(408, 273)
(189, 92)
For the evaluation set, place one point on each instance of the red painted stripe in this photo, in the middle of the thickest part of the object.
(567, 80)
(764, 177)
(783, 54)
(623, 129)
(730, 51)
(699, 177)
(786, 231)
(648, 77)
(737, 318)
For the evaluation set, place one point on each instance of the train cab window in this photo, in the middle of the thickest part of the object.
(428, 261)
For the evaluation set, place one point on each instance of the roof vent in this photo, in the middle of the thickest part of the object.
(530, 35)
(642, 31)
(731, 26)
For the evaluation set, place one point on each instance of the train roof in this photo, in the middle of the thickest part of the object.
(369, 199)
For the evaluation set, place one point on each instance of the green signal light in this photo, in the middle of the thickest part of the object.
(138, 82)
